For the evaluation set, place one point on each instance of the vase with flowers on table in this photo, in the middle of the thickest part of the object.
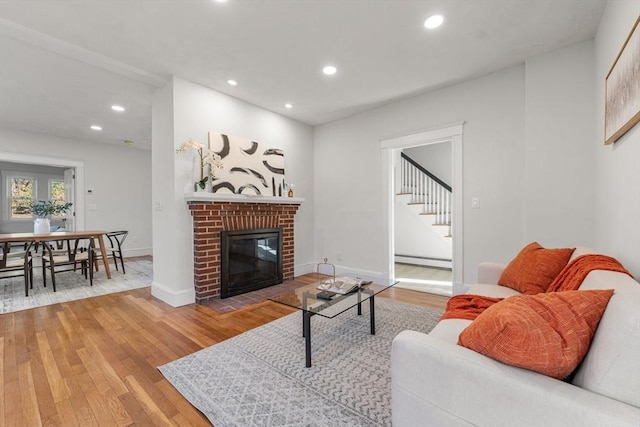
(43, 210)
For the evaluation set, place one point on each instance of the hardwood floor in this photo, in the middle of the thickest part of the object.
(425, 273)
(93, 361)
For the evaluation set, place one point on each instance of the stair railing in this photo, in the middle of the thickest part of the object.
(425, 188)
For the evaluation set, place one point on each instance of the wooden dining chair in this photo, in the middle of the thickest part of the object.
(113, 247)
(17, 264)
(61, 260)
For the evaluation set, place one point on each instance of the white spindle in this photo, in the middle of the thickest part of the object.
(423, 189)
(413, 184)
(439, 206)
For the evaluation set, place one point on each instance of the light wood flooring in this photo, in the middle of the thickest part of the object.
(93, 361)
(411, 271)
(424, 279)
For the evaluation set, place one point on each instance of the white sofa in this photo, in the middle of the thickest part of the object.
(436, 382)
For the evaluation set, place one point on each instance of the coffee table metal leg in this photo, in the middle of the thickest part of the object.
(359, 303)
(304, 308)
(372, 315)
(307, 337)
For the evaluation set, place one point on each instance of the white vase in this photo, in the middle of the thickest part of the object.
(41, 226)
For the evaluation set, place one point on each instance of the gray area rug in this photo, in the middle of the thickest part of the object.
(259, 379)
(71, 286)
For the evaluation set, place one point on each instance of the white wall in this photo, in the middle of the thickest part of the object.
(617, 166)
(414, 236)
(183, 110)
(119, 176)
(350, 216)
(559, 160)
(526, 157)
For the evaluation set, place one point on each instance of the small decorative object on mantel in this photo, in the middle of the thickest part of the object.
(43, 211)
(207, 158)
(291, 187)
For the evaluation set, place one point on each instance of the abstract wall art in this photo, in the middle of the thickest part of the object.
(250, 168)
(622, 89)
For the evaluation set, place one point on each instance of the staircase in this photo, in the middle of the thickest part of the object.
(427, 195)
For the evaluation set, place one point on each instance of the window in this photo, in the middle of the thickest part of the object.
(56, 193)
(22, 192)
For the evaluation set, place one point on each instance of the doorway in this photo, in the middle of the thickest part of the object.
(422, 243)
(391, 150)
(75, 170)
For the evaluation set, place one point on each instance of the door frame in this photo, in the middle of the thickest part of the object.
(453, 133)
(33, 159)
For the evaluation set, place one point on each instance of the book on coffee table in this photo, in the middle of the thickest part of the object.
(341, 285)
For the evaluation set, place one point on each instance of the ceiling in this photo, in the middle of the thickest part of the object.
(64, 63)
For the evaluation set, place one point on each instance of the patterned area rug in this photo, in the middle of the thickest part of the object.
(259, 379)
(71, 286)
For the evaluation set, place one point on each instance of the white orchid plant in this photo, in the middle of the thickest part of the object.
(207, 157)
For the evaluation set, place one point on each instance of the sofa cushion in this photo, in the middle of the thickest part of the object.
(534, 268)
(494, 291)
(547, 333)
(449, 329)
(611, 367)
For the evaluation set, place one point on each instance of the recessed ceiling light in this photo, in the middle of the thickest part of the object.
(96, 127)
(329, 70)
(232, 82)
(434, 21)
(288, 105)
(219, 1)
(117, 108)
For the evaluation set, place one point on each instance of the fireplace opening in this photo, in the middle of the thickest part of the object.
(250, 260)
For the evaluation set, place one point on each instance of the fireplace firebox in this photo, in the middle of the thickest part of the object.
(250, 260)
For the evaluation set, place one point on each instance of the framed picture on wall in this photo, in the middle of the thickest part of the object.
(622, 89)
(250, 168)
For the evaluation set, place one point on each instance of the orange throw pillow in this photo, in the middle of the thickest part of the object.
(546, 333)
(534, 268)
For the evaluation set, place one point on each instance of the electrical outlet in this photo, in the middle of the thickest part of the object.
(475, 202)
(338, 256)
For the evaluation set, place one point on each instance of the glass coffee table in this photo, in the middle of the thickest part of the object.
(305, 299)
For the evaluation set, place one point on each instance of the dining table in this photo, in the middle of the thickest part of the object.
(33, 238)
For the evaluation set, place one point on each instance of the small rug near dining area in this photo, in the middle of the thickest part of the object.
(259, 379)
(72, 286)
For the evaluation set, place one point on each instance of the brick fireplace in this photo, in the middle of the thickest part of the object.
(212, 217)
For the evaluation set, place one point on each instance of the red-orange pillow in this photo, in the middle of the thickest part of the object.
(534, 268)
(546, 333)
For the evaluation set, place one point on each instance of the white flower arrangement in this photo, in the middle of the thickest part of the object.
(207, 157)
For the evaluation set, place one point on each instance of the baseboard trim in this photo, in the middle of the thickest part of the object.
(312, 267)
(171, 296)
(136, 252)
(424, 261)
(300, 269)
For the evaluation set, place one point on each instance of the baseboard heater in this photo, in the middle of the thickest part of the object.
(432, 262)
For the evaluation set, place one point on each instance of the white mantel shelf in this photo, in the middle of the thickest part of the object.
(240, 198)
